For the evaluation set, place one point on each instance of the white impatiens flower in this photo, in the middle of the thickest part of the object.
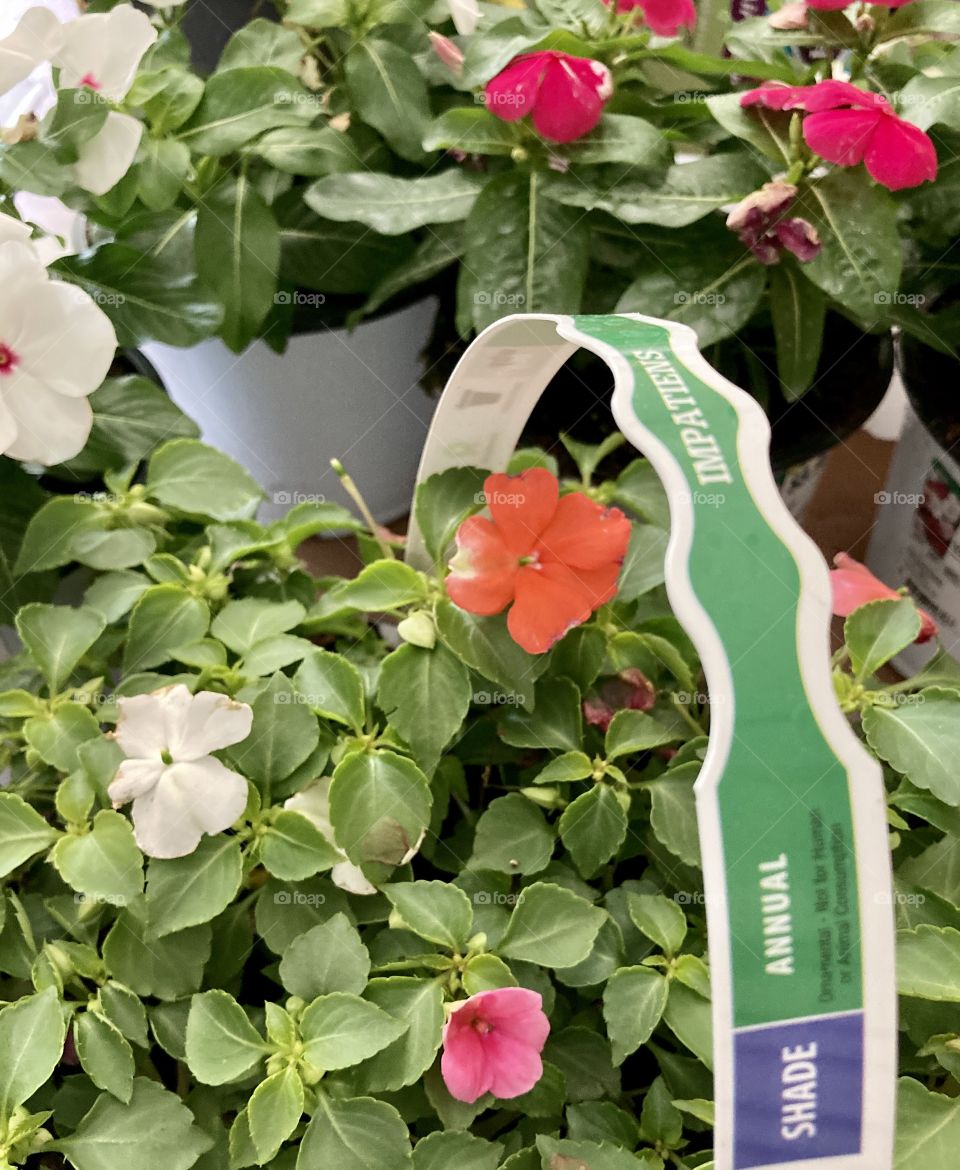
(313, 801)
(37, 37)
(56, 348)
(102, 51)
(179, 790)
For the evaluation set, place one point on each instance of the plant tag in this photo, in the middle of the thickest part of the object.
(791, 808)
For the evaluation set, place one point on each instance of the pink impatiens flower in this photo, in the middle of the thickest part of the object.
(847, 125)
(665, 17)
(563, 95)
(492, 1044)
(854, 585)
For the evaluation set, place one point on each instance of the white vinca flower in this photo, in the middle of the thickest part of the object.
(56, 348)
(179, 790)
(102, 51)
(313, 802)
(37, 36)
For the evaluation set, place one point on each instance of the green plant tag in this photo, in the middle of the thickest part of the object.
(790, 807)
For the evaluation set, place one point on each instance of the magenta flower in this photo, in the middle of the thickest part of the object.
(846, 125)
(854, 585)
(665, 17)
(836, 5)
(762, 224)
(563, 95)
(492, 1044)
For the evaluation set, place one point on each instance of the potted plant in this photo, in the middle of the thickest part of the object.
(269, 872)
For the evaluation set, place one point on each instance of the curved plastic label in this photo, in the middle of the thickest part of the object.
(790, 807)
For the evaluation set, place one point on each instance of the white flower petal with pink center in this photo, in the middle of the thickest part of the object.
(36, 38)
(56, 347)
(103, 50)
(179, 791)
(107, 157)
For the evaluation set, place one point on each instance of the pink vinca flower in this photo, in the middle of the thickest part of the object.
(846, 125)
(762, 223)
(492, 1044)
(854, 585)
(665, 17)
(563, 95)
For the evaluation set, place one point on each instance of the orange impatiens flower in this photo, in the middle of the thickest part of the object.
(553, 561)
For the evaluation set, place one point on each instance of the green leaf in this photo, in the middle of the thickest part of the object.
(187, 891)
(105, 1055)
(512, 837)
(928, 1126)
(283, 734)
(389, 93)
(921, 739)
(688, 192)
(379, 806)
(440, 1151)
(32, 1031)
(274, 1111)
(23, 832)
(426, 696)
(878, 631)
(340, 1030)
(555, 721)
(524, 252)
(222, 1045)
(57, 737)
(600, 1121)
(643, 565)
(54, 525)
(358, 1133)
(125, 1011)
(922, 18)
(798, 310)
(310, 151)
(674, 812)
(434, 910)
(486, 972)
(293, 848)
(238, 257)
(113, 595)
(163, 619)
(328, 957)
(332, 687)
(443, 501)
(154, 1129)
(566, 769)
(483, 644)
(240, 625)
(633, 1003)
(689, 1018)
(635, 731)
(118, 548)
(593, 828)
(471, 129)
(391, 205)
(239, 104)
(661, 1123)
(169, 967)
(928, 963)
(103, 864)
(168, 95)
(382, 585)
(57, 637)
(418, 1005)
(861, 259)
(259, 43)
(660, 919)
(442, 247)
(558, 1154)
(619, 138)
(185, 473)
(551, 926)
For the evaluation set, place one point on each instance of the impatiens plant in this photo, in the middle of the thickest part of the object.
(384, 889)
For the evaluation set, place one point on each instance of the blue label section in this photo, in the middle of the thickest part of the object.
(798, 1090)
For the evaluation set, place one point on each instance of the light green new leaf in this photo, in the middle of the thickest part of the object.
(441, 1151)
(221, 1043)
(689, 1018)
(154, 1129)
(358, 1133)
(293, 848)
(105, 1055)
(23, 832)
(241, 624)
(635, 731)
(239, 104)
(426, 696)
(593, 828)
(328, 957)
(340, 1030)
(57, 737)
(57, 637)
(878, 631)
(633, 1002)
(163, 619)
(274, 1110)
(186, 891)
(331, 685)
(103, 864)
(391, 205)
(512, 836)
(921, 739)
(660, 919)
(436, 911)
(31, 1043)
(928, 1128)
(551, 926)
(418, 1005)
(283, 735)
(674, 812)
(928, 963)
(196, 479)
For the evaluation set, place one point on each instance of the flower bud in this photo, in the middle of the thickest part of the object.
(419, 630)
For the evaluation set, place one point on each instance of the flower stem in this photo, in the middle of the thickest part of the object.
(354, 493)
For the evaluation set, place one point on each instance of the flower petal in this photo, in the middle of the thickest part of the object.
(70, 342)
(572, 95)
(900, 154)
(202, 796)
(106, 48)
(210, 721)
(134, 779)
(841, 136)
(513, 92)
(484, 571)
(162, 826)
(854, 585)
(463, 1064)
(549, 602)
(515, 1066)
(522, 506)
(37, 36)
(584, 534)
(147, 722)
(50, 427)
(107, 157)
(667, 17)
